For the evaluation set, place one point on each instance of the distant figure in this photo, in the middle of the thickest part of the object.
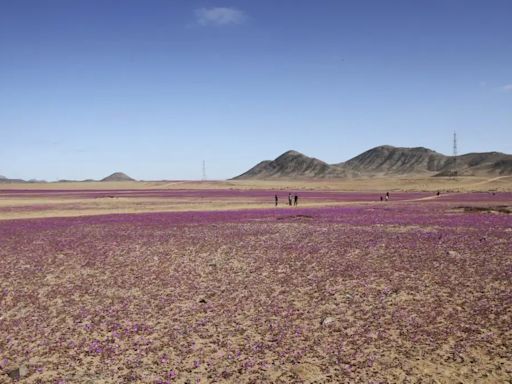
(295, 200)
(290, 199)
(438, 193)
(276, 199)
(387, 196)
(381, 198)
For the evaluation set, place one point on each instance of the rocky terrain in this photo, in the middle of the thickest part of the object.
(292, 163)
(384, 160)
(118, 176)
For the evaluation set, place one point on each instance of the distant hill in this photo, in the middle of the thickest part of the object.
(289, 164)
(381, 161)
(4, 179)
(475, 164)
(118, 176)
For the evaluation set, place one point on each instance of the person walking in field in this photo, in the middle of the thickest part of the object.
(290, 199)
(276, 199)
(295, 200)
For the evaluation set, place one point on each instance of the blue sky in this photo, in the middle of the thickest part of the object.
(154, 87)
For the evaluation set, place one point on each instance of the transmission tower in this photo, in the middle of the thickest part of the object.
(204, 170)
(455, 153)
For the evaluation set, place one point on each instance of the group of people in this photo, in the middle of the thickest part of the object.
(292, 200)
(386, 197)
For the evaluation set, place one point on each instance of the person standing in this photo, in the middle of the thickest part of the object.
(295, 200)
(290, 199)
(276, 199)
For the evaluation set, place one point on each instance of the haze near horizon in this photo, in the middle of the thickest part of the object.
(153, 88)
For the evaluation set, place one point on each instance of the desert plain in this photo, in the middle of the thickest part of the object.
(210, 282)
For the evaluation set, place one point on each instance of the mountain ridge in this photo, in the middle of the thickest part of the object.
(384, 160)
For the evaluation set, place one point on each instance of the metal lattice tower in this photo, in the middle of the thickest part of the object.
(455, 153)
(204, 170)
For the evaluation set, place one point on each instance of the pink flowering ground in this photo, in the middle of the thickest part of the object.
(379, 293)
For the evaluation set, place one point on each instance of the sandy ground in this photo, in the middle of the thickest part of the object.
(71, 203)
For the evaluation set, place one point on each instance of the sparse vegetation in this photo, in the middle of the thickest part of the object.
(348, 294)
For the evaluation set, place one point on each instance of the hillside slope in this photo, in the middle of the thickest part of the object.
(384, 160)
(118, 176)
(291, 164)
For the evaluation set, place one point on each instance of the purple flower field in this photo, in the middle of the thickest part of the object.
(406, 291)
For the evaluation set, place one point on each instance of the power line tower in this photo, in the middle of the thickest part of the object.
(204, 170)
(455, 153)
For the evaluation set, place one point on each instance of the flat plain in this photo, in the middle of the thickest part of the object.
(202, 282)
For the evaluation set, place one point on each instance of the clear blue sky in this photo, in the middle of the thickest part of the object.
(153, 87)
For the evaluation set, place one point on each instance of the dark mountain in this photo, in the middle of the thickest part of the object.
(503, 167)
(382, 161)
(291, 164)
(118, 176)
(476, 164)
(394, 160)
